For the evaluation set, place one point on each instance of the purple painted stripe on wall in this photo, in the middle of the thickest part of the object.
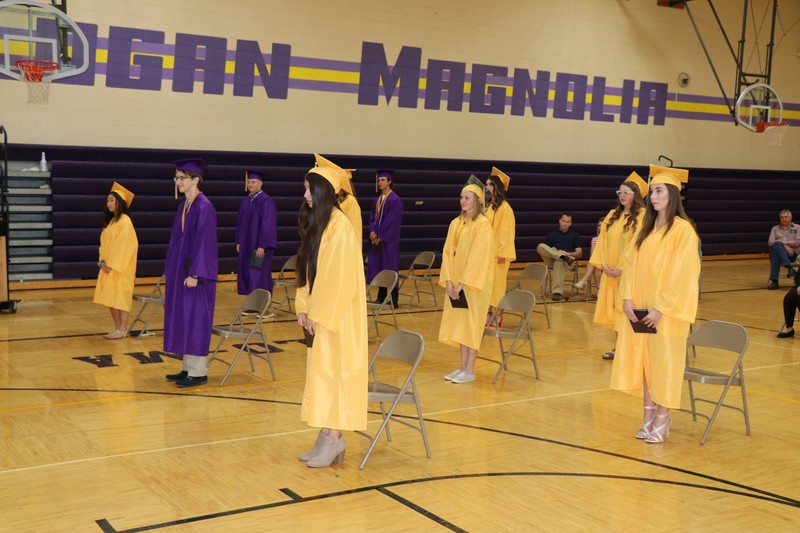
(698, 99)
(709, 117)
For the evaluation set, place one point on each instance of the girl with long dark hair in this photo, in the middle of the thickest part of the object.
(504, 226)
(331, 307)
(117, 260)
(618, 229)
(660, 277)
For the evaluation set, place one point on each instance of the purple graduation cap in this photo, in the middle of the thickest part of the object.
(383, 173)
(252, 175)
(191, 165)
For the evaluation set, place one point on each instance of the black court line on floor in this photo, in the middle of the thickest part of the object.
(746, 491)
(106, 526)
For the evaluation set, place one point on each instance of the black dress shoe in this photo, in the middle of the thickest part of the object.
(772, 285)
(786, 334)
(191, 381)
(178, 376)
(556, 297)
(791, 272)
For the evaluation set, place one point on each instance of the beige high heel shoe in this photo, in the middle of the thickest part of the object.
(315, 450)
(647, 423)
(331, 451)
(660, 432)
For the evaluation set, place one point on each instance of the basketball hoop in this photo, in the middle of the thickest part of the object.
(773, 131)
(37, 74)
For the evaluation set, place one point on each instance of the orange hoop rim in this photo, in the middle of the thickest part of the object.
(762, 126)
(34, 69)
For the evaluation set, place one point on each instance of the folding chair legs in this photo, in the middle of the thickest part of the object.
(387, 416)
(719, 404)
(145, 323)
(250, 355)
(507, 355)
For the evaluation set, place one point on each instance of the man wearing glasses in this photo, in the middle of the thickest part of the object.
(191, 276)
(784, 244)
(560, 250)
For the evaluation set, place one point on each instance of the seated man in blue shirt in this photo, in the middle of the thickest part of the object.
(784, 244)
(559, 252)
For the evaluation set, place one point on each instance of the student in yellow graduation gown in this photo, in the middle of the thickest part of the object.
(331, 305)
(349, 206)
(504, 226)
(468, 261)
(348, 202)
(660, 274)
(117, 261)
(616, 231)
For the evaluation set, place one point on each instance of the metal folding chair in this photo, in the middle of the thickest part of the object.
(255, 305)
(536, 274)
(517, 307)
(282, 282)
(154, 300)
(727, 337)
(404, 347)
(385, 279)
(420, 273)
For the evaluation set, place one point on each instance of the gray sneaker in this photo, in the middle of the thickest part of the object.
(452, 375)
(463, 377)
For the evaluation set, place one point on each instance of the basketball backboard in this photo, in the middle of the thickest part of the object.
(34, 30)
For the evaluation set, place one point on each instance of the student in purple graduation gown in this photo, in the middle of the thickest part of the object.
(256, 235)
(191, 271)
(385, 221)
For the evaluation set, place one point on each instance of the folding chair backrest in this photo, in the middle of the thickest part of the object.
(288, 266)
(534, 272)
(402, 345)
(386, 279)
(257, 301)
(424, 260)
(517, 301)
(719, 334)
(156, 293)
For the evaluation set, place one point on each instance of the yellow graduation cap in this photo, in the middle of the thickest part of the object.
(669, 175)
(348, 175)
(475, 185)
(503, 177)
(123, 193)
(331, 172)
(637, 179)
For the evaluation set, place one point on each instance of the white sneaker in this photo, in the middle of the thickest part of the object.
(581, 284)
(452, 375)
(463, 377)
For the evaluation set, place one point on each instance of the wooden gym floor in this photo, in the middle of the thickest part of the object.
(92, 438)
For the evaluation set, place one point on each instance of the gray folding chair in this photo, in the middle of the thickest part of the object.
(154, 300)
(420, 273)
(282, 282)
(732, 338)
(385, 279)
(517, 308)
(536, 274)
(255, 305)
(404, 347)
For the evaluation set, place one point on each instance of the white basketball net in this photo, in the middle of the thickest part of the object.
(773, 133)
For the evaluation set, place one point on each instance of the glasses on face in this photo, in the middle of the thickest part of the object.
(182, 178)
(623, 193)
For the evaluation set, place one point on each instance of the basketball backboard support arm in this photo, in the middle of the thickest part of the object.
(743, 78)
(45, 31)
